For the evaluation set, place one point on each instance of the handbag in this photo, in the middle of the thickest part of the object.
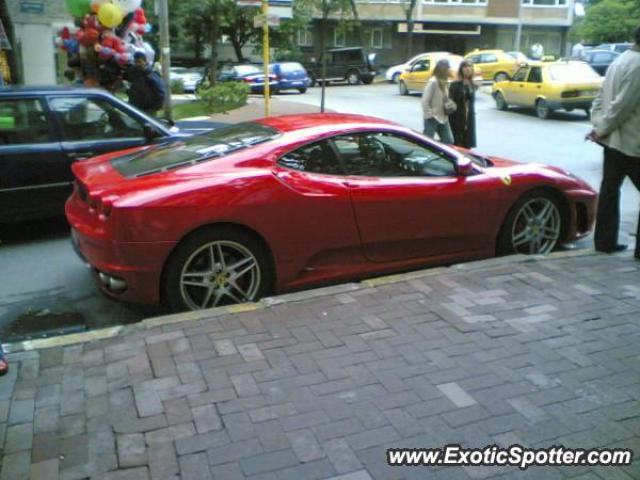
(449, 106)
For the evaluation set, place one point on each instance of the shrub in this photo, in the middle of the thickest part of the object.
(223, 97)
(177, 86)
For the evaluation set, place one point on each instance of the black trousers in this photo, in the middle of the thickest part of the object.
(616, 167)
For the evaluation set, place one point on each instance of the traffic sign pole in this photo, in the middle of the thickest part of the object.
(265, 54)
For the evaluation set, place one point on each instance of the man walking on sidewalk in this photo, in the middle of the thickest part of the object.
(616, 126)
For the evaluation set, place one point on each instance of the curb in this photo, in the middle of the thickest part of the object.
(269, 302)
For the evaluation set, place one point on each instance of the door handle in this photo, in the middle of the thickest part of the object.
(81, 155)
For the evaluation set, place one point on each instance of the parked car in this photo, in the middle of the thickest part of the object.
(288, 202)
(393, 73)
(548, 86)
(290, 76)
(599, 59)
(495, 65)
(190, 77)
(620, 47)
(44, 130)
(419, 73)
(252, 75)
(352, 65)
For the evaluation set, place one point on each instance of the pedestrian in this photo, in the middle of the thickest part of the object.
(537, 51)
(146, 91)
(578, 50)
(436, 104)
(615, 116)
(4, 364)
(463, 120)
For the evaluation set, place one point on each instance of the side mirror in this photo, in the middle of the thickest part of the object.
(167, 122)
(464, 167)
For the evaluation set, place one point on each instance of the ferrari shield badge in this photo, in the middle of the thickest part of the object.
(506, 179)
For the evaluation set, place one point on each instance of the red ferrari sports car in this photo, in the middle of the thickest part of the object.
(287, 202)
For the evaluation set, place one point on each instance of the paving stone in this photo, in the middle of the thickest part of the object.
(341, 456)
(271, 436)
(359, 475)
(131, 450)
(234, 451)
(371, 438)
(305, 445)
(46, 419)
(206, 418)
(19, 437)
(21, 411)
(245, 385)
(16, 466)
(528, 410)
(72, 425)
(140, 473)
(194, 467)
(304, 420)
(268, 462)
(201, 443)
(163, 462)
(47, 470)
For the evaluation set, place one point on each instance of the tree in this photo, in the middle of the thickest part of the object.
(409, 8)
(238, 25)
(608, 21)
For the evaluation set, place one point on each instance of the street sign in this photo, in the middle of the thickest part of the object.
(283, 8)
(249, 3)
(271, 20)
(33, 7)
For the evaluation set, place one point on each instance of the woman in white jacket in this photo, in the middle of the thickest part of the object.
(434, 97)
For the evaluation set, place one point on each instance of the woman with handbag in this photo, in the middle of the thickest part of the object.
(436, 104)
(463, 120)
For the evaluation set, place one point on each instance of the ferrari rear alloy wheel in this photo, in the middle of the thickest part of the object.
(533, 226)
(216, 268)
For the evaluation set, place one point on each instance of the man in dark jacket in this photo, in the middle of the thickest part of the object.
(147, 91)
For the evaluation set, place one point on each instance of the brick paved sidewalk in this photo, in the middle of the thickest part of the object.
(536, 352)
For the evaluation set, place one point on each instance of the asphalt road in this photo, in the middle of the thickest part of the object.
(45, 288)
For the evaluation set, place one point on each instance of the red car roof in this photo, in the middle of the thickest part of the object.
(288, 123)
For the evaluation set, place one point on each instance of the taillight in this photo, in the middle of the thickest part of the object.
(248, 80)
(570, 94)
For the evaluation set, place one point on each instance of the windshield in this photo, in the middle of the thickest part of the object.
(572, 72)
(291, 67)
(208, 146)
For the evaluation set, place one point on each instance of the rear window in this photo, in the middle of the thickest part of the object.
(572, 72)
(291, 68)
(215, 144)
(247, 69)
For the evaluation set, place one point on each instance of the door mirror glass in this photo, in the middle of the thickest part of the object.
(464, 167)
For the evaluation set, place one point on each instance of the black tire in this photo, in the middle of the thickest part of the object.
(368, 80)
(193, 255)
(543, 110)
(302, 90)
(518, 227)
(353, 77)
(501, 103)
(312, 80)
(403, 88)
(587, 112)
(501, 77)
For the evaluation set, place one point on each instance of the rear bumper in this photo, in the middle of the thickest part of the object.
(137, 264)
(568, 104)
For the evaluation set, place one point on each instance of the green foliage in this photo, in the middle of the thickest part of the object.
(177, 86)
(223, 97)
(608, 21)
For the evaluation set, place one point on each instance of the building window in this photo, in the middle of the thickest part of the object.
(545, 3)
(377, 38)
(304, 37)
(457, 2)
(338, 38)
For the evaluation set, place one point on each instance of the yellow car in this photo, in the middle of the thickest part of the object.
(549, 86)
(420, 71)
(495, 65)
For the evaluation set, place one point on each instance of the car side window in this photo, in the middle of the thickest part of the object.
(521, 74)
(476, 59)
(420, 66)
(535, 75)
(384, 154)
(317, 157)
(23, 121)
(489, 58)
(84, 118)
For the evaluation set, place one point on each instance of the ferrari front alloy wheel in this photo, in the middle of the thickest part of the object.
(533, 226)
(216, 268)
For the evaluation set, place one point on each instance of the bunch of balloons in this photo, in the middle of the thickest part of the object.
(106, 31)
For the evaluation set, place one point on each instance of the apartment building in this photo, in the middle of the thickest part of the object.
(457, 26)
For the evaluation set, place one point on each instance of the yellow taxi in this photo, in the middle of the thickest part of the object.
(416, 76)
(549, 86)
(494, 65)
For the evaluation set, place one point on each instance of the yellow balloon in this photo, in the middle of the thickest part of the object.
(109, 15)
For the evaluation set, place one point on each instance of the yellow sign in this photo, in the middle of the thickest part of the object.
(506, 179)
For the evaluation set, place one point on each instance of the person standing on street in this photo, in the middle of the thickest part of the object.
(436, 104)
(578, 50)
(147, 91)
(616, 126)
(463, 120)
